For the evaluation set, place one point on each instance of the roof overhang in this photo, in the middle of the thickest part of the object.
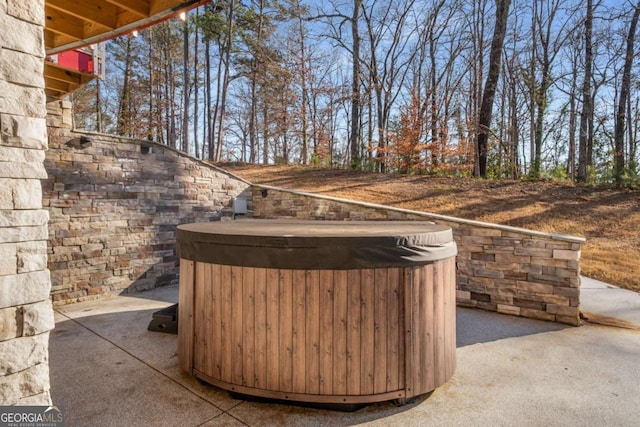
(71, 24)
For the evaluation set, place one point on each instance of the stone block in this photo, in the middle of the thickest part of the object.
(20, 218)
(17, 154)
(37, 318)
(28, 170)
(8, 265)
(23, 37)
(10, 323)
(21, 353)
(30, 11)
(537, 314)
(23, 234)
(566, 254)
(534, 288)
(563, 310)
(509, 309)
(27, 387)
(24, 288)
(21, 68)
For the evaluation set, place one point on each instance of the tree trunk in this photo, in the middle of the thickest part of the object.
(486, 107)
(586, 113)
(185, 87)
(355, 88)
(618, 154)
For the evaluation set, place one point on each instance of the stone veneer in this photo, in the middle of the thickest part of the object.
(26, 315)
(114, 207)
(499, 268)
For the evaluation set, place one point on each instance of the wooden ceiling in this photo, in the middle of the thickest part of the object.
(72, 24)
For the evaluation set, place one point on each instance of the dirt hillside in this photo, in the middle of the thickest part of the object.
(608, 218)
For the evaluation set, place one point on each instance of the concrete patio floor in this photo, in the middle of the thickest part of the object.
(108, 370)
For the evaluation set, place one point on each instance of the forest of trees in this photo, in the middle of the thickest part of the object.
(491, 88)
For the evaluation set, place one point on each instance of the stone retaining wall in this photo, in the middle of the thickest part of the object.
(26, 315)
(499, 268)
(114, 207)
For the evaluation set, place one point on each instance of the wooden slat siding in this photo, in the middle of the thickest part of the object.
(340, 297)
(451, 316)
(248, 326)
(199, 320)
(353, 332)
(394, 328)
(186, 320)
(334, 336)
(367, 364)
(407, 291)
(299, 332)
(381, 327)
(216, 319)
(226, 346)
(260, 370)
(312, 292)
(439, 322)
(207, 322)
(236, 321)
(286, 333)
(420, 326)
(429, 332)
(326, 331)
(273, 317)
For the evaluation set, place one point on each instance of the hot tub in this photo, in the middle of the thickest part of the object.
(318, 311)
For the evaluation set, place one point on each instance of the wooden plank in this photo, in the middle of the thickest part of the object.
(248, 326)
(408, 330)
(273, 345)
(429, 298)
(380, 330)
(367, 313)
(312, 292)
(185, 314)
(96, 11)
(394, 328)
(141, 8)
(353, 332)
(199, 319)
(236, 324)
(420, 328)
(402, 330)
(438, 323)
(340, 303)
(286, 332)
(299, 333)
(226, 345)
(450, 309)
(216, 320)
(326, 331)
(60, 22)
(260, 371)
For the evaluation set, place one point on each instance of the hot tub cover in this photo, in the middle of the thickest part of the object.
(309, 245)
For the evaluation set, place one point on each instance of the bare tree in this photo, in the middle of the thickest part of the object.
(488, 95)
(619, 158)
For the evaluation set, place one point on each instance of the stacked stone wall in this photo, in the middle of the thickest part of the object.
(499, 268)
(26, 315)
(114, 206)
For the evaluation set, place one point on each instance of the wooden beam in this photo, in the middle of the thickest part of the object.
(63, 23)
(158, 6)
(139, 7)
(60, 81)
(96, 11)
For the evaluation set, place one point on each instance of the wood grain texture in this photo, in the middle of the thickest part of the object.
(320, 335)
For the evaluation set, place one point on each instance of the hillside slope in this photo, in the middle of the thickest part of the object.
(608, 218)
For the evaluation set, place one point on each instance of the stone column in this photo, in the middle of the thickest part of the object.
(26, 314)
